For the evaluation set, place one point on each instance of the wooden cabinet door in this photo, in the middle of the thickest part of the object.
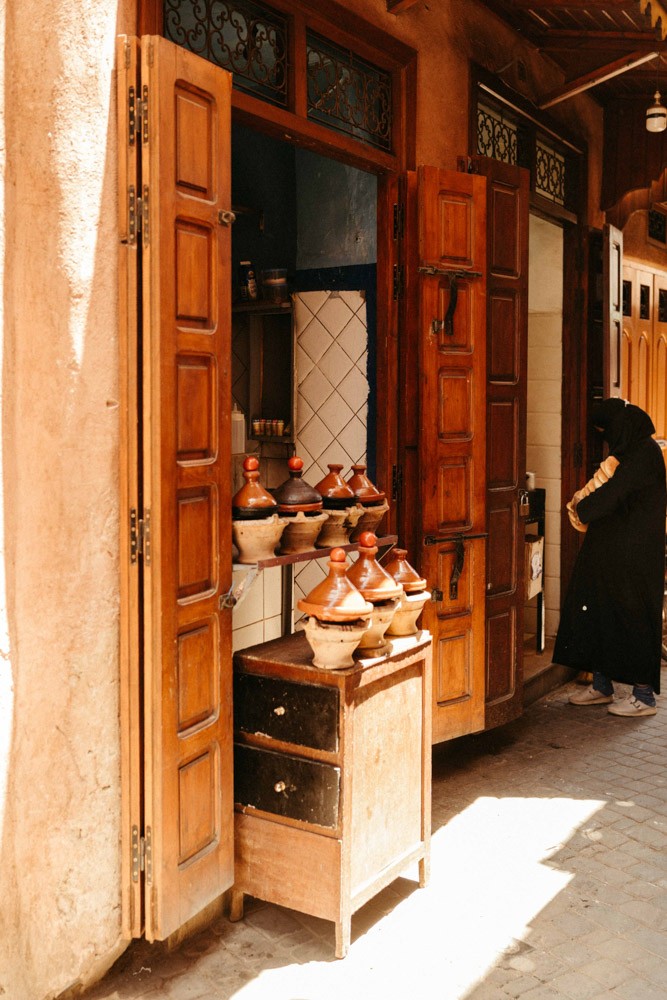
(186, 190)
(506, 374)
(612, 310)
(452, 454)
(659, 404)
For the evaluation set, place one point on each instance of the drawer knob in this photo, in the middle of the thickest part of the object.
(279, 786)
(279, 710)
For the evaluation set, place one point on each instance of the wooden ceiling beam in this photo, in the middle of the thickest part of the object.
(592, 79)
(398, 6)
(558, 40)
(615, 5)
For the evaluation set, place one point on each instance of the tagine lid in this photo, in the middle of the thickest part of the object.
(336, 599)
(252, 500)
(333, 489)
(371, 579)
(402, 572)
(365, 491)
(295, 494)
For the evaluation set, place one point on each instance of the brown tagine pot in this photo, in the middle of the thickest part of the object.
(295, 494)
(252, 501)
(371, 579)
(336, 599)
(335, 492)
(402, 572)
(366, 493)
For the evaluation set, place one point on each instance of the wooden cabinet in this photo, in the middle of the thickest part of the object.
(332, 773)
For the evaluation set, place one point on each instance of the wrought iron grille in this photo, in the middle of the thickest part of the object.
(549, 173)
(496, 137)
(248, 39)
(348, 94)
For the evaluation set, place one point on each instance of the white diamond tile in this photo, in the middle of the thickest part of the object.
(315, 339)
(304, 364)
(354, 389)
(302, 314)
(314, 472)
(354, 339)
(313, 301)
(354, 300)
(315, 389)
(335, 413)
(353, 439)
(335, 364)
(309, 577)
(316, 436)
(335, 314)
(303, 412)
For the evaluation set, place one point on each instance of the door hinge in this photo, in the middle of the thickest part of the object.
(142, 854)
(399, 219)
(131, 115)
(137, 214)
(436, 595)
(396, 482)
(399, 280)
(142, 113)
(140, 536)
(137, 115)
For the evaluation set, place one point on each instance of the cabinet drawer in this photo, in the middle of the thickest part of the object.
(286, 786)
(304, 714)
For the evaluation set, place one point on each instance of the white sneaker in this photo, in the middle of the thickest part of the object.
(590, 696)
(632, 708)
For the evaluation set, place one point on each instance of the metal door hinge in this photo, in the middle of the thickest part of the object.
(131, 114)
(137, 115)
(140, 536)
(396, 482)
(436, 595)
(399, 220)
(142, 112)
(137, 214)
(142, 854)
(399, 280)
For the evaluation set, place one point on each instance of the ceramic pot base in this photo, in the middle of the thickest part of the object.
(334, 643)
(410, 607)
(373, 641)
(257, 540)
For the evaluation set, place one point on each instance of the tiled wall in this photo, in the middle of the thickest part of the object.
(545, 371)
(332, 415)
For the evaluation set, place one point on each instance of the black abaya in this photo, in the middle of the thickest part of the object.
(611, 620)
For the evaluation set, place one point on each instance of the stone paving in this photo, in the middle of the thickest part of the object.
(549, 880)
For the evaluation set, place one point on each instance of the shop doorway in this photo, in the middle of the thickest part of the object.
(543, 435)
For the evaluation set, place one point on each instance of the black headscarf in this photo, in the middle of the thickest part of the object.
(624, 425)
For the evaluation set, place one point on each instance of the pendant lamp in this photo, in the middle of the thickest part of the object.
(656, 115)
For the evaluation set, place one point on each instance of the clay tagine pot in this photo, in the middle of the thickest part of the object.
(336, 599)
(335, 493)
(402, 572)
(415, 597)
(366, 493)
(294, 494)
(371, 579)
(252, 501)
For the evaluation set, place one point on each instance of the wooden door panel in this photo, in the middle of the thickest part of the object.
(187, 401)
(507, 340)
(612, 309)
(452, 367)
(659, 396)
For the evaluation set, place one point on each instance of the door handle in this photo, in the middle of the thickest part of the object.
(226, 217)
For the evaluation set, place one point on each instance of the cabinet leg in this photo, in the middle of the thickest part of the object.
(424, 872)
(343, 934)
(236, 905)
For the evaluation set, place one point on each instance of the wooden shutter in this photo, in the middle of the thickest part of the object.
(186, 190)
(507, 344)
(612, 310)
(452, 455)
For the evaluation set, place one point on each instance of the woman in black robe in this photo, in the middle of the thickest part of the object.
(611, 622)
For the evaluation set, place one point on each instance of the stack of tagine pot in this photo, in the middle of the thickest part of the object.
(370, 498)
(378, 587)
(338, 616)
(301, 504)
(341, 505)
(256, 525)
(415, 594)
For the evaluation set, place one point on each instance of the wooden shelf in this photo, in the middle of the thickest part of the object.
(383, 544)
(260, 307)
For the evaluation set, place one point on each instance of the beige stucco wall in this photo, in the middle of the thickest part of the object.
(59, 634)
(59, 750)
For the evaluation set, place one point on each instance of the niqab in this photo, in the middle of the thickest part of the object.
(624, 425)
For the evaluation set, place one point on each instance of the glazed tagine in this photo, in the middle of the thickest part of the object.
(378, 587)
(338, 616)
(341, 504)
(302, 505)
(414, 597)
(256, 526)
(373, 501)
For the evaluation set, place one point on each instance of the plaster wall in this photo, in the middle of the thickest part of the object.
(59, 753)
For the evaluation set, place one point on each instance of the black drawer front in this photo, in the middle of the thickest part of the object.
(286, 786)
(304, 714)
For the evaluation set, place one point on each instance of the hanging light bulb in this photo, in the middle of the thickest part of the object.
(656, 115)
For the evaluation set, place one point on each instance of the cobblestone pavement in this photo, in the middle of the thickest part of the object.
(549, 880)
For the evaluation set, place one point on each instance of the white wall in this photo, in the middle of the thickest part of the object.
(545, 372)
